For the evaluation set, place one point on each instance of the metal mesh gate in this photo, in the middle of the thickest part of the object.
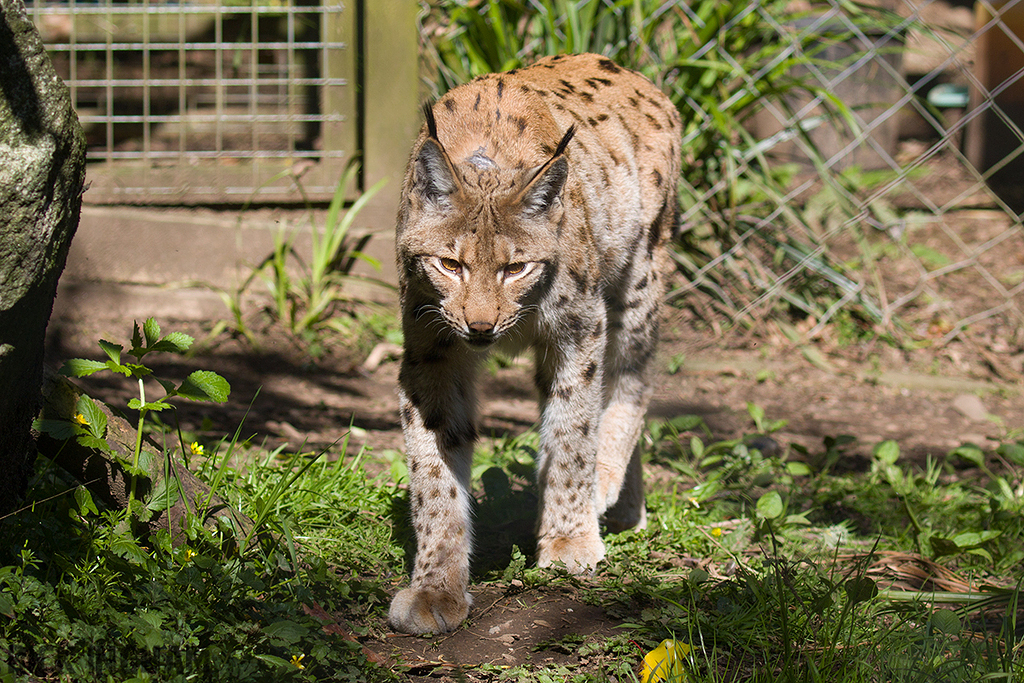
(197, 102)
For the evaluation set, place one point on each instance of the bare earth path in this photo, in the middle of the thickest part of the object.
(928, 401)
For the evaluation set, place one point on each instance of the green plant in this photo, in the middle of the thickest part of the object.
(793, 609)
(90, 424)
(307, 291)
(82, 597)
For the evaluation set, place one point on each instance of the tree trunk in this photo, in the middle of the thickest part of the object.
(42, 171)
(107, 478)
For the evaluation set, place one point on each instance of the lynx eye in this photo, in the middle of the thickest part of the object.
(451, 265)
(513, 269)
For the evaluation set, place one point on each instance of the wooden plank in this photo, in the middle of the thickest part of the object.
(232, 182)
(340, 134)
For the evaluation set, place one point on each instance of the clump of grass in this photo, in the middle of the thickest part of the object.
(744, 563)
(84, 599)
(307, 290)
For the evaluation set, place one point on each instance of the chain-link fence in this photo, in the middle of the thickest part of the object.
(851, 165)
(906, 204)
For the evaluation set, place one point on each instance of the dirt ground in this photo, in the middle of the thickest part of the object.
(930, 401)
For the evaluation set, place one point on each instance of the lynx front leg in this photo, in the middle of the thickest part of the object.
(570, 384)
(437, 419)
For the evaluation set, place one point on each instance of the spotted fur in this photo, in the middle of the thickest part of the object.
(535, 213)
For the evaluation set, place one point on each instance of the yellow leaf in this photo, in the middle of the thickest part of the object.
(664, 664)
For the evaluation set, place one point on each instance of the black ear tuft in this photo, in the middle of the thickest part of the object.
(547, 183)
(435, 178)
(565, 140)
(428, 114)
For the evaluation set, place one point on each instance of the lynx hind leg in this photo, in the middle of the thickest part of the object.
(621, 424)
(631, 344)
(630, 510)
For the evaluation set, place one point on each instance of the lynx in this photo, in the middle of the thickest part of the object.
(535, 212)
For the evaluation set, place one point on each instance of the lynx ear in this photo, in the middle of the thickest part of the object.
(434, 176)
(542, 192)
(547, 183)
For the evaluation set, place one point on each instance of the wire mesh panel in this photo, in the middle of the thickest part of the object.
(196, 102)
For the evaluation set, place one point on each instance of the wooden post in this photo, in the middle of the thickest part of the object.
(391, 90)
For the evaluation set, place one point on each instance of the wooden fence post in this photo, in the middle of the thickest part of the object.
(391, 90)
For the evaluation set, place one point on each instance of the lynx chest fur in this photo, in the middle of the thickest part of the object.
(535, 213)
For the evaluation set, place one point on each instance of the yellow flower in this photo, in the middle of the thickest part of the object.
(197, 448)
(716, 532)
(297, 661)
(189, 554)
(80, 419)
(664, 664)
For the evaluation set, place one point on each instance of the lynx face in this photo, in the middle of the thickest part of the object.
(535, 212)
(484, 238)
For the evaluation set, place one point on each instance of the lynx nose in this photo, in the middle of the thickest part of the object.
(481, 327)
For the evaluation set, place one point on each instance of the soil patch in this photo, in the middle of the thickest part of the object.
(930, 401)
(507, 628)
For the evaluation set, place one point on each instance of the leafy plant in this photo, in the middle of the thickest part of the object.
(746, 242)
(307, 291)
(90, 423)
(83, 598)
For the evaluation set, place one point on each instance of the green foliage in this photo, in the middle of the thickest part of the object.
(746, 559)
(83, 598)
(760, 597)
(307, 290)
(746, 245)
(89, 423)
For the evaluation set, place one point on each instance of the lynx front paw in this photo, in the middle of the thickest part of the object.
(428, 611)
(580, 554)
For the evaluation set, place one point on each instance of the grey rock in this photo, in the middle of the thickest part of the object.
(42, 174)
(971, 407)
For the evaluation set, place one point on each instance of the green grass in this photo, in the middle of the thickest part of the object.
(84, 599)
(782, 589)
(307, 288)
(760, 593)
